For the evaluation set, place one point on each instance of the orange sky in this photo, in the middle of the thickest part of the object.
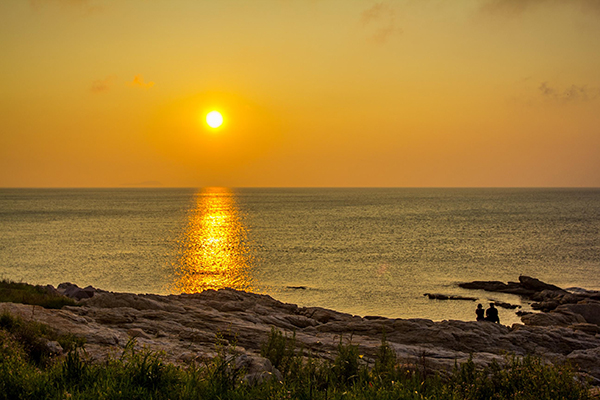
(314, 93)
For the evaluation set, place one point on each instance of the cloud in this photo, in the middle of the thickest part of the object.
(514, 7)
(138, 81)
(103, 85)
(380, 19)
(574, 93)
(378, 11)
(510, 6)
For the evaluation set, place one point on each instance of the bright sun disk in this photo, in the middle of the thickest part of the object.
(214, 119)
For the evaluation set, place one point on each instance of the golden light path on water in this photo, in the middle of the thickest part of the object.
(214, 251)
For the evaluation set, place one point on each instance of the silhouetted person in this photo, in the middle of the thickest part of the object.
(479, 311)
(491, 314)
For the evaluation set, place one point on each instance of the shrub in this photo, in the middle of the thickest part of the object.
(385, 367)
(520, 378)
(281, 351)
(346, 366)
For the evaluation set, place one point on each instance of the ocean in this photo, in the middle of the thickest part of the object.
(362, 251)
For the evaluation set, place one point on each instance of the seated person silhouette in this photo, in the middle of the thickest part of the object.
(479, 312)
(491, 314)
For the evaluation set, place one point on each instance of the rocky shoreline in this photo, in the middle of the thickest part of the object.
(186, 327)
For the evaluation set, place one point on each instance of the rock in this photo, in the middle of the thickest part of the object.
(587, 360)
(497, 286)
(54, 347)
(186, 329)
(300, 321)
(123, 315)
(548, 299)
(590, 312)
(545, 306)
(506, 305)
(256, 369)
(137, 333)
(323, 315)
(490, 286)
(592, 329)
(536, 285)
(188, 357)
(52, 290)
(527, 286)
(75, 292)
(437, 296)
(552, 319)
(522, 313)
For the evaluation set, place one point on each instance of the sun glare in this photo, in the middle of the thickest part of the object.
(214, 119)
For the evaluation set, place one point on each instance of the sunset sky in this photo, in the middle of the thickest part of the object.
(416, 93)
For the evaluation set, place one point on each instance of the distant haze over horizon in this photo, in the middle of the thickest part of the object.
(328, 93)
(308, 187)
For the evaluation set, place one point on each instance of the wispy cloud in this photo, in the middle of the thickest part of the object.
(376, 12)
(573, 93)
(510, 6)
(514, 7)
(138, 81)
(380, 19)
(103, 85)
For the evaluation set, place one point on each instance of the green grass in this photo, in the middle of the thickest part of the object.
(31, 338)
(17, 292)
(144, 375)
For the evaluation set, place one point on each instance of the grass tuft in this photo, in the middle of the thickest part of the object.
(18, 292)
(32, 337)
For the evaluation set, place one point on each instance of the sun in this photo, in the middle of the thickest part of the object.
(214, 119)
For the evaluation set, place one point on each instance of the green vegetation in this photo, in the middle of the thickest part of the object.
(30, 338)
(143, 375)
(16, 292)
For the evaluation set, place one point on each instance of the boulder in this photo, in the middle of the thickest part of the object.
(545, 306)
(552, 319)
(256, 369)
(587, 360)
(54, 347)
(506, 305)
(75, 292)
(536, 285)
(590, 311)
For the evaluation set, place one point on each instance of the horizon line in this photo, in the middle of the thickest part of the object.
(299, 187)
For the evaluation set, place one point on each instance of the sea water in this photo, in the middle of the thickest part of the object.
(361, 251)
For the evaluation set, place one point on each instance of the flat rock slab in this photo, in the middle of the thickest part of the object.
(187, 327)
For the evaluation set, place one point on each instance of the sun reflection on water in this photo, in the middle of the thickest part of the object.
(214, 252)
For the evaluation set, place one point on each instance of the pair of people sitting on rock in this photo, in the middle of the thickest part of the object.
(491, 314)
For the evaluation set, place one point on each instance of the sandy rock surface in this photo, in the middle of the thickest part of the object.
(185, 327)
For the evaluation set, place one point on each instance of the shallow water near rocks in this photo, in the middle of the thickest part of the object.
(361, 251)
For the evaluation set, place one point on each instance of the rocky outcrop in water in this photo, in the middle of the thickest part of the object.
(546, 297)
(526, 286)
(438, 296)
